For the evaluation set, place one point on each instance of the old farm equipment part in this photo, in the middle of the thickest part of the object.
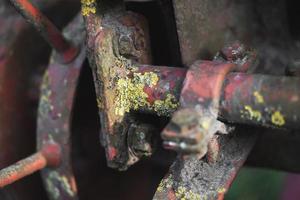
(209, 102)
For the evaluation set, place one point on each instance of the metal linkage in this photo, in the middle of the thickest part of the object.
(195, 123)
(65, 49)
(124, 86)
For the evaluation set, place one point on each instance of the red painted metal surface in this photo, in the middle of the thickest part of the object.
(201, 98)
(18, 42)
(55, 113)
(192, 132)
(54, 125)
(115, 40)
(170, 80)
(48, 156)
(47, 29)
(194, 124)
(22, 168)
(239, 92)
(250, 98)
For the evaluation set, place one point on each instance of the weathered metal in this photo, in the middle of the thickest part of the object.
(256, 102)
(195, 122)
(191, 178)
(159, 97)
(116, 39)
(202, 21)
(118, 48)
(194, 127)
(55, 113)
(182, 130)
(49, 156)
(245, 98)
(123, 86)
(18, 42)
(22, 169)
(47, 29)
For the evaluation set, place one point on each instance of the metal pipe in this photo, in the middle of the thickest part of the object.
(255, 99)
(47, 29)
(22, 168)
(48, 156)
(264, 100)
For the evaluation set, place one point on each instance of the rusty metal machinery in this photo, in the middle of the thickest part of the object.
(220, 96)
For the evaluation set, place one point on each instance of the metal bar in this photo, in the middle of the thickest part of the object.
(161, 87)
(191, 178)
(47, 29)
(22, 169)
(270, 101)
(48, 156)
(255, 99)
(55, 114)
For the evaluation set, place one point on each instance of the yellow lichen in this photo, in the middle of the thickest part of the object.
(278, 119)
(185, 194)
(221, 190)
(259, 98)
(53, 187)
(99, 102)
(131, 95)
(163, 106)
(88, 7)
(165, 184)
(206, 124)
(45, 103)
(253, 114)
(181, 192)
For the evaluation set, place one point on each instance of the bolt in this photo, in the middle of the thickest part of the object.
(140, 139)
(127, 47)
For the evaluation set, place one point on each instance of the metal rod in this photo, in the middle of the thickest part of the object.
(47, 29)
(48, 156)
(255, 99)
(263, 100)
(22, 168)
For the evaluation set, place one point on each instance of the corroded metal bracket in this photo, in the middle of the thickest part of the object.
(116, 39)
